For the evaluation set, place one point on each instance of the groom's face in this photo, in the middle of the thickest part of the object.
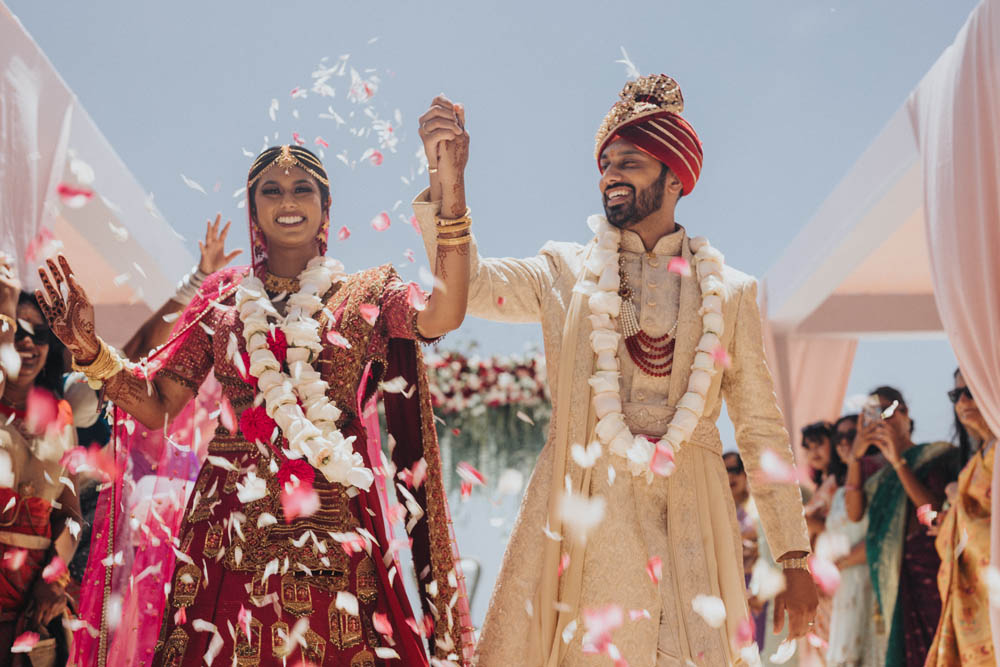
(633, 184)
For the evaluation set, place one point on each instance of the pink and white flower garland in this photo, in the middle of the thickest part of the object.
(310, 428)
(643, 456)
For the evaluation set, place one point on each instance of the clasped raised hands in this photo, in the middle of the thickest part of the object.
(446, 141)
(69, 312)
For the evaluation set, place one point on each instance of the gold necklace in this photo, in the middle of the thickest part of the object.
(277, 284)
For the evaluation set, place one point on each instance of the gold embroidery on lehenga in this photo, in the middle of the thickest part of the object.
(345, 629)
(373, 638)
(176, 646)
(296, 598)
(232, 477)
(366, 580)
(186, 585)
(258, 591)
(248, 649)
(315, 648)
(363, 659)
(213, 541)
(186, 542)
(279, 639)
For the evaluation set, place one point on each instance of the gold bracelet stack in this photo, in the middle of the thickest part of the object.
(8, 321)
(454, 226)
(105, 366)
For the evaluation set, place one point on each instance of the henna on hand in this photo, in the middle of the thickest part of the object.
(71, 317)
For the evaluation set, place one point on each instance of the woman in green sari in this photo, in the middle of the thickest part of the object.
(901, 555)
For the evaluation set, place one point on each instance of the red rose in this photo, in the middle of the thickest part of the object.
(305, 473)
(278, 345)
(256, 425)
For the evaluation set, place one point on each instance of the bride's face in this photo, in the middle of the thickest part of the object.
(289, 207)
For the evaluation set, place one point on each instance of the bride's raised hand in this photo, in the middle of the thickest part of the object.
(69, 312)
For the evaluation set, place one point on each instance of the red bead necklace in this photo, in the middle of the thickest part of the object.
(653, 356)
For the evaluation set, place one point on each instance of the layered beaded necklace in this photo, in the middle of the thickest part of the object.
(653, 356)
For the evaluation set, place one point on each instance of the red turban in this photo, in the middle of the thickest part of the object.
(648, 116)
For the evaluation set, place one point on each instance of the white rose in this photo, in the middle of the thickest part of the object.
(297, 354)
(360, 477)
(693, 402)
(604, 381)
(640, 454)
(256, 341)
(610, 279)
(607, 361)
(262, 360)
(601, 321)
(699, 382)
(604, 340)
(600, 258)
(309, 433)
(302, 333)
(713, 322)
(253, 488)
(708, 267)
(675, 437)
(621, 443)
(268, 379)
(711, 303)
(711, 285)
(605, 302)
(255, 324)
(609, 237)
(709, 254)
(697, 243)
(323, 411)
(708, 342)
(607, 403)
(585, 287)
(703, 362)
(610, 426)
(685, 419)
(308, 303)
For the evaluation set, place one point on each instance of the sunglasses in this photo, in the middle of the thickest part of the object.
(846, 435)
(957, 393)
(38, 334)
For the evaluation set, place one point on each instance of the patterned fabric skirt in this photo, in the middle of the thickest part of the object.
(280, 573)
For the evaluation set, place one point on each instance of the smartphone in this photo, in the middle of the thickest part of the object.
(871, 411)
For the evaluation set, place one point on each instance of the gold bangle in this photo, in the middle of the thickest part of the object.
(450, 222)
(458, 240)
(105, 366)
(796, 564)
(899, 463)
(8, 321)
(453, 229)
(432, 170)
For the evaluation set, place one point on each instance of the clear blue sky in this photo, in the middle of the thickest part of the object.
(786, 94)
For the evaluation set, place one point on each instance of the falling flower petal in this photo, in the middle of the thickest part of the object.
(227, 416)
(963, 542)
(55, 569)
(24, 642)
(41, 411)
(711, 609)
(636, 614)
(580, 514)
(381, 624)
(419, 472)
(500, 301)
(320, 141)
(338, 340)
(386, 653)
(523, 416)
(825, 573)
(784, 653)
(369, 313)
(194, 185)
(415, 297)
(662, 463)
(563, 564)
(721, 356)
(243, 619)
(470, 474)
(298, 139)
(744, 632)
(376, 158)
(510, 483)
(301, 501)
(586, 457)
(344, 233)
(74, 196)
(680, 266)
(774, 469)
(14, 558)
(408, 254)
(381, 222)
(347, 602)
(600, 622)
(180, 616)
(926, 515)
(272, 110)
(654, 568)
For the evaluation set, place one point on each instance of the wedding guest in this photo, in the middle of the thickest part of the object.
(963, 543)
(747, 520)
(901, 555)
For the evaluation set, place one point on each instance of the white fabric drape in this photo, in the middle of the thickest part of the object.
(956, 118)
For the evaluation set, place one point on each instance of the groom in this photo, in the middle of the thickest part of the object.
(646, 331)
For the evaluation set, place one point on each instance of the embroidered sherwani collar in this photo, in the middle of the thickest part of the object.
(669, 245)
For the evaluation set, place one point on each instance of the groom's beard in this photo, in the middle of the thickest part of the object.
(639, 207)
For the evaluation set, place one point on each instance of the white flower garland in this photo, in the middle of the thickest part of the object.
(605, 305)
(311, 429)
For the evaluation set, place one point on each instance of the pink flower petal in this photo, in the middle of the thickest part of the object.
(14, 558)
(419, 472)
(320, 141)
(369, 313)
(470, 474)
(926, 515)
(465, 490)
(745, 632)
(409, 255)
(25, 642)
(662, 463)
(376, 158)
(55, 569)
(774, 469)
(40, 246)
(243, 619)
(600, 622)
(227, 416)
(721, 357)
(500, 301)
(338, 340)
(563, 564)
(680, 266)
(180, 617)
(381, 624)
(42, 410)
(415, 297)
(300, 501)
(298, 139)
(825, 573)
(636, 614)
(654, 568)
(343, 234)
(416, 224)
(74, 196)
(381, 222)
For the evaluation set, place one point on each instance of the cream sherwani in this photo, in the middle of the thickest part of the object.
(687, 519)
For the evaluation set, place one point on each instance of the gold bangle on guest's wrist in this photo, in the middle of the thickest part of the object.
(8, 321)
(796, 564)
(445, 223)
(454, 229)
(456, 241)
(107, 364)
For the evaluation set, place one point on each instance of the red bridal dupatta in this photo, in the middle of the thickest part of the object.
(140, 515)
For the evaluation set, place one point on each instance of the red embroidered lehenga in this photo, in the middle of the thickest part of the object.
(223, 556)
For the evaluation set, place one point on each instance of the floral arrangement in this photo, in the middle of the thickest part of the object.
(460, 383)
